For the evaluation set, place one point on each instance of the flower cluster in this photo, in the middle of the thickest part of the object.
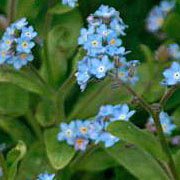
(172, 75)
(174, 51)
(70, 3)
(101, 40)
(165, 121)
(16, 44)
(81, 133)
(46, 177)
(157, 15)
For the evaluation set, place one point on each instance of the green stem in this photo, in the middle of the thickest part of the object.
(164, 144)
(34, 124)
(11, 8)
(155, 114)
(168, 93)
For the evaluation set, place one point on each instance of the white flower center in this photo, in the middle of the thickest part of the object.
(68, 132)
(28, 34)
(101, 68)
(177, 75)
(122, 116)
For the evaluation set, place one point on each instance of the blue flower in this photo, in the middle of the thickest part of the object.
(166, 124)
(80, 143)
(165, 121)
(95, 129)
(28, 32)
(104, 31)
(82, 74)
(99, 68)
(105, 11)
(7, 42)
(46, 177)
(174, 51)
(155, 19)
(122, 113)
(108, 139)
(172, 75)
(167, 6)
(84, 34)
(70, 3)
(20, 23)
(118, 26)
(24, 45)
(82, 128)
(113, 40)
(93, 41)
(20, 60)
(67, 132)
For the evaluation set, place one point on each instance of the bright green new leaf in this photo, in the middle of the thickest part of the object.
(13, 159)
(59, 153)
(128, 132)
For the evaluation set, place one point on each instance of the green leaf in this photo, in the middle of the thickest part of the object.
(16, 129)
(44, 112)
(35, 162)
(177, 162)
(62, 42)
(13, 100)
(24, 80)
(137, 162)
(147, 53)
(95, 96)
(128, 132)
(13, 158)
(97, 160)
(171, 25)
(59, 153)
(60, 9)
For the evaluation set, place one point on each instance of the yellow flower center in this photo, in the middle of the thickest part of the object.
(8, 42)
(79, 141)
(3, 53)
(83, 130)
(94, 43)
(159, 21)
(24, 44)
(23, 56)
(112, 41)
(164, 127)
(120, 74)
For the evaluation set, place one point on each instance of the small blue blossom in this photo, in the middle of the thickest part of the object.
(167, 6)
(113, 40)
(95, 129)
(82, 128)
(155, 19)
(24, 45)
(16, 44)
(84, 35)
(122, 113)
(158, 14)
(70, 3)
(28, 32)
(172, 75)
(20, 60)
(174, 51)
(99, 68)
(80, 143)
(118, 26)
(165, 121)
(105, 11)
(20, 24)
(46, 177)
(104, 31)
(68, 132)
(108, 139)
